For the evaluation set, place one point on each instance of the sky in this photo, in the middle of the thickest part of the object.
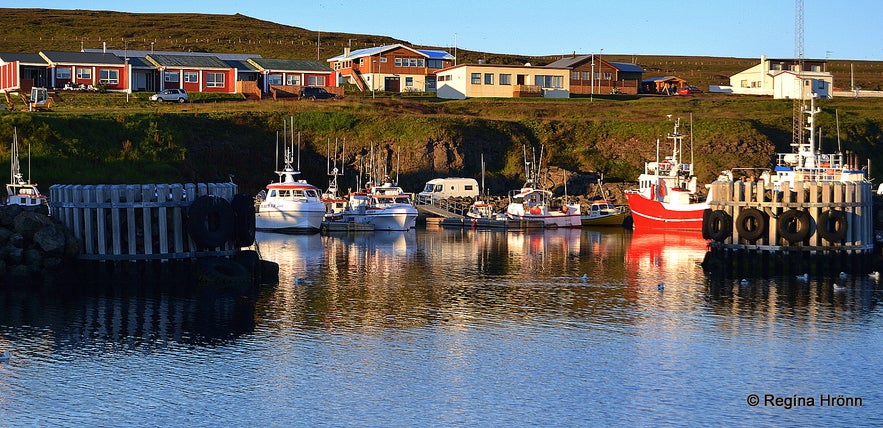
(848, 29)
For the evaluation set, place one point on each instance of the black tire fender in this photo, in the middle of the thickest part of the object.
(210, 221)
(720, 225)
(794, 225)
(833, 225)
(243, 220)
(751, 224)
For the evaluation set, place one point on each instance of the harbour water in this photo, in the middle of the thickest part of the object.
(452, 328)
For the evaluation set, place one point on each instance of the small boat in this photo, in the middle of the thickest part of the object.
(532, 202)
(667, 196)
(334, 203)
(603, 213)
(291, 205)
(386, 207)
(20, 191)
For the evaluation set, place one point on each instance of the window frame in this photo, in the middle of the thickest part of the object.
(212, 81)
(109, 76)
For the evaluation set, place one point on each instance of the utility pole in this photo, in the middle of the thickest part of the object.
(797, 104)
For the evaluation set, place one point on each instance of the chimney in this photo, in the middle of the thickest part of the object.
(103, 47)
(346, 52)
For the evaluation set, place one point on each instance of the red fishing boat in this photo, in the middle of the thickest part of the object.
(667, 196)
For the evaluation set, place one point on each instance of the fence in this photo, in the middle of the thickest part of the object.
(148, 221)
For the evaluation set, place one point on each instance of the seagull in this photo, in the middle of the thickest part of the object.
(842, 275)
(804, 277)
(743, 282)
(660, 286)
(584, 278)
(838, 287)
(875, 275)
(5, 356)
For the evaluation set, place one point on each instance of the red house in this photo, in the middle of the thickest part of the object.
(22, 71)
(194, 73)
(87, 69)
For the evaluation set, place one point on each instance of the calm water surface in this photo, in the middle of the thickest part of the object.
(452, 328)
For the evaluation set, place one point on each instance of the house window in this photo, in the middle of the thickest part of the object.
(608, 76)
(434, 63)
(476, 78)
(574, 75)
(316, 80)
(84, 73)
(420, 62)
(171, 77)
(488, 78)
(382, 59)
(292, 79)
(412, 62)
(214, 80)
(191, 77)
(398, 62)
(109, 77)
(549, 81)
(361, 61)
(274, 79)
(62, 73)
(505, 79)
(587, 75)
(409, 81)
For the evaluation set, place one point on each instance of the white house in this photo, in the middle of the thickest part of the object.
(503, 81)
(783, 78)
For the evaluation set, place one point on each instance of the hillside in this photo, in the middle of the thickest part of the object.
(33, 30)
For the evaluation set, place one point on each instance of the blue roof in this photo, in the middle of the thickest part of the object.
(627, 67)
(436, 54)
(432, 54)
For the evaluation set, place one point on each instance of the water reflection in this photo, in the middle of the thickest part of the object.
(126, 307)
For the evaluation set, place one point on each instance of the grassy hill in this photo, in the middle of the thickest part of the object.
(33, 30)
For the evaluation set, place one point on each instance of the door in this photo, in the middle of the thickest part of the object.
(392, 84)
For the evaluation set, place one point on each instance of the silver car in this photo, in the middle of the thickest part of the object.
(178, 95)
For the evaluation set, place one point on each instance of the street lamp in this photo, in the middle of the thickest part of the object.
(592, 80)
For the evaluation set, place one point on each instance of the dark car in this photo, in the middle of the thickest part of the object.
(310, 93)
(688, 90)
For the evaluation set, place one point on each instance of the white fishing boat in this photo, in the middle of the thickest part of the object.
(603, 213)
(20, 191)
(386, 207)
(532, 202)
(291, 205)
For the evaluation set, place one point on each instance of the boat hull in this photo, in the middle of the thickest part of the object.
(289, 221)
(395, 218)
(605, 220)
(649, 214)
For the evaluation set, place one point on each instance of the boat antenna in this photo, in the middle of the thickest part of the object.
(691, 143)
(298, 150)
(328, 157)
(398, 163)
(837, 118)
(483, 188)
(276, 164)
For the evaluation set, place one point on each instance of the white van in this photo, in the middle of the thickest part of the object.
(441, 188)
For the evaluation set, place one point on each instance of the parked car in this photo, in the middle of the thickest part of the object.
(311, 93)
(178, 95)
(688, 90)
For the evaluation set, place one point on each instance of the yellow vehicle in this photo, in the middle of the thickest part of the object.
(39, 99)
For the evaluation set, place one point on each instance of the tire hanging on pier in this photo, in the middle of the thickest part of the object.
(243, 220)
(706, 223)
(832, 225)
(794, 225)
(210, 221)
(751, 224)
(720, 225)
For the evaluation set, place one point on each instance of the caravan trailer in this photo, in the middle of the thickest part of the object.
(443, 188)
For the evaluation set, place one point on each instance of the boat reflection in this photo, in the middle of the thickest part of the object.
(298, 256)
(672, 257)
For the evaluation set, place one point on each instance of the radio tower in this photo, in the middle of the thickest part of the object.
(797, 104)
